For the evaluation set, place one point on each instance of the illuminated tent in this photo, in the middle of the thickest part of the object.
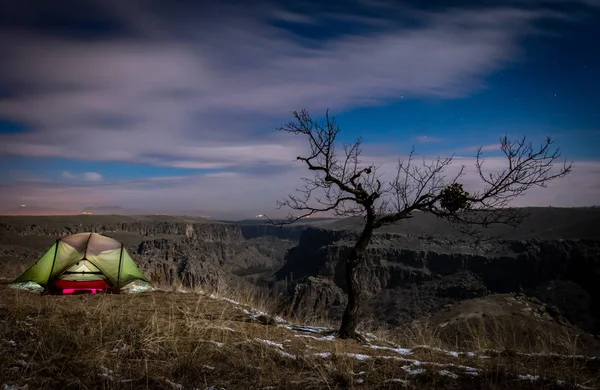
(84, 262)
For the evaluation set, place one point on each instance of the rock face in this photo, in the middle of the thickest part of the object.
(292, 233)
(173, 250)
(406, 277)
(192, 261)
(315, 298)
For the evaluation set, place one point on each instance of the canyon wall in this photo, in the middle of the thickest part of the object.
(190, 252)
(407, 277)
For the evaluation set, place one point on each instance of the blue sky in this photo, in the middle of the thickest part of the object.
(173, 108)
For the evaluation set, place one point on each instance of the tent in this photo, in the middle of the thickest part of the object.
(84, 262)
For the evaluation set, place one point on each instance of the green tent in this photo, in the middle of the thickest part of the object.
(83, 262)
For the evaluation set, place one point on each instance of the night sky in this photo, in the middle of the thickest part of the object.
(172, 106)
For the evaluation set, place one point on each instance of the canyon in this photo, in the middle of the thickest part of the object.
(412, 270)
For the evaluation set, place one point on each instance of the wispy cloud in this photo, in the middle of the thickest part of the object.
(86, 176)
(198, 96)
(92, 176)
(67, 175)
(247, 194)
(484, 148)
(424, 139)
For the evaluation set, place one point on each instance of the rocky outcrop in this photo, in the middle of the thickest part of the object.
(409, 276)
(194, 262)
(312, 298)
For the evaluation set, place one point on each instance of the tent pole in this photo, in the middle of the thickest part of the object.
(53, 262)
(119, 271)
(86, 246)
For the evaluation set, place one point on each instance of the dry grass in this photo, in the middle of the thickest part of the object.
(174, 340)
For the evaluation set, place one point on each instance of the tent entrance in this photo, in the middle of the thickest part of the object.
(83, 277)
(67, 287)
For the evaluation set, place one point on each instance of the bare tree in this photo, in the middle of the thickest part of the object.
(345, 186)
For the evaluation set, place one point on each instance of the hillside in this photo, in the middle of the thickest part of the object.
(179, 340)
(540, 222)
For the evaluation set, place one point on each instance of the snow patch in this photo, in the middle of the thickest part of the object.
(14, 387)
(269, 342)
(286, 355)
(28, 286)
(174, 385)
(528, 377)
(400, 351)
(220, 345)
(540, 354)
(411, 371)
(137, 287)
(324, 338)
(307, 329)
(448, 373)
(106, 373)
(358, 356)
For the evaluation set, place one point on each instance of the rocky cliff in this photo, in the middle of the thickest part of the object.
(405, 277)
(292, 232)
(169, 250)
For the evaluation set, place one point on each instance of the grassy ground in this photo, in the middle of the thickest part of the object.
(194, 340)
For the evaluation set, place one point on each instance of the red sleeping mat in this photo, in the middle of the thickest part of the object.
(70, 287)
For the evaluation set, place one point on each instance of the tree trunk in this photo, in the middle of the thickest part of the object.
(352, 311)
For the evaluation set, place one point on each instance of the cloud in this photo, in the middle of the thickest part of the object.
(86, 176)
(167, 85)
(67, 175)
(92, 176)
(424, 139)
(247, 194)
(484, 148)
(197, 89)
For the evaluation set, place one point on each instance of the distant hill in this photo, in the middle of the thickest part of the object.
(540, 222)
(117, 210)
(37, 211)
(261, 221)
